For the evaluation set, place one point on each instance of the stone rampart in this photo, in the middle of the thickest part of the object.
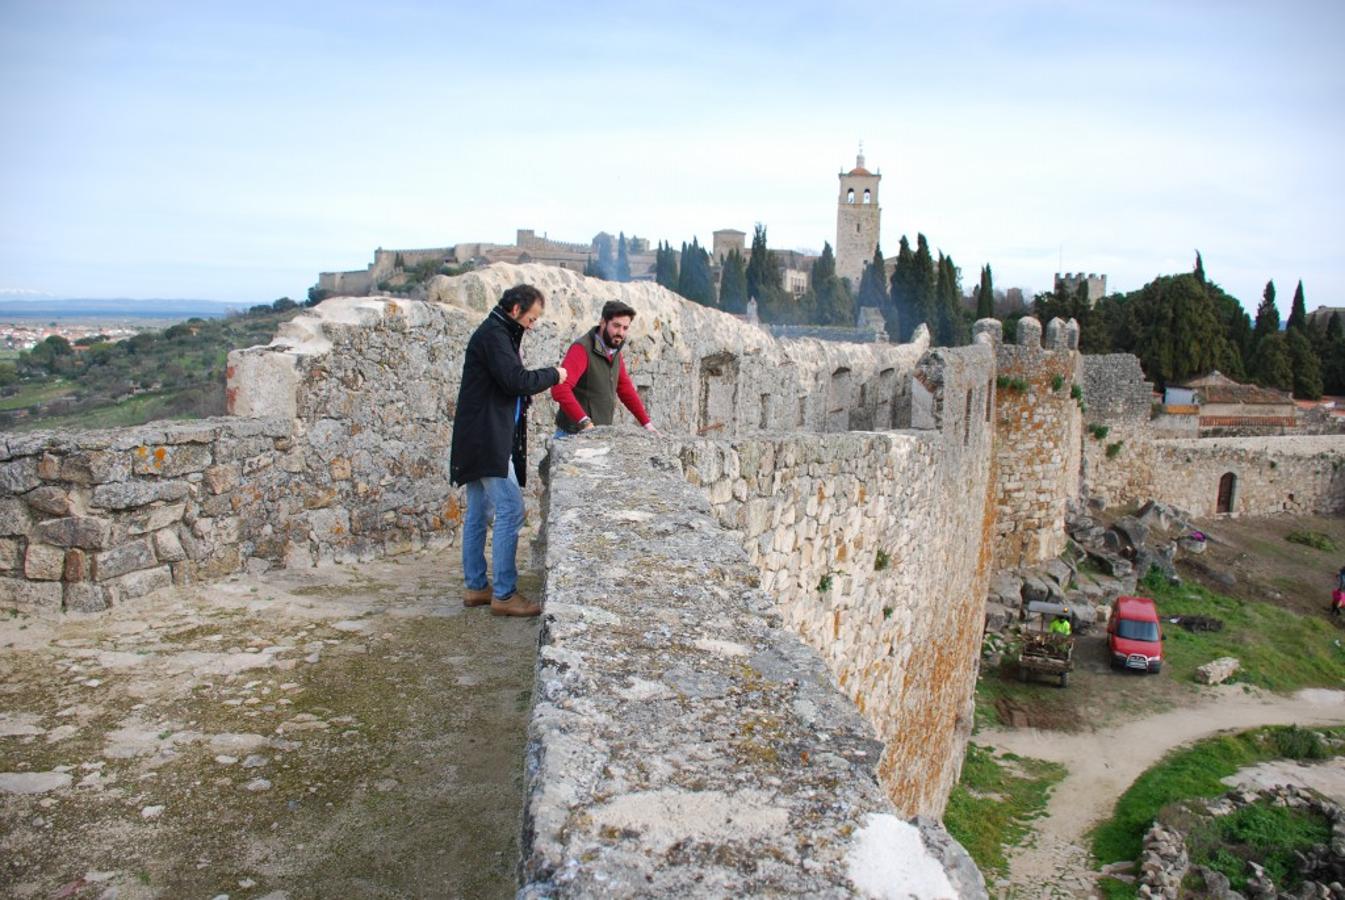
(682, 742)
(1038, 423)
(1270, 475)
(89, 519)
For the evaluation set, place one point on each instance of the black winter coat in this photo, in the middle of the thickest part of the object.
(485, 435)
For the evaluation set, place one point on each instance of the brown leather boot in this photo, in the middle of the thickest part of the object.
(514, 605)
(478, 597)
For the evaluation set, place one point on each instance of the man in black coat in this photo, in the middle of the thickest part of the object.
(490, 446)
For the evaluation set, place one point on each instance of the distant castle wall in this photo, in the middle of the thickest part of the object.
(1069, 283)
(1270, 475)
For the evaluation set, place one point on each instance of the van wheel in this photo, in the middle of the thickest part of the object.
(1064, 679)
(1157, 667)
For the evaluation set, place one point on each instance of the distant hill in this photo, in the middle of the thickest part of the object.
(121, 308)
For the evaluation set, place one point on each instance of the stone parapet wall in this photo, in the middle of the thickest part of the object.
(1039, 425)
(1116, 390)
(89, 519)
(683, 742)
(855, 536)
(1118, 468)
(1271, 474)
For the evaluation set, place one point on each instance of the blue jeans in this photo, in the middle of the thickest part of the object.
(502, 497)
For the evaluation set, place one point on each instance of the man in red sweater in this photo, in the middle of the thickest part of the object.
(596, 375)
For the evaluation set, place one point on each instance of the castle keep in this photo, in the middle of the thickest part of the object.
(787, 589)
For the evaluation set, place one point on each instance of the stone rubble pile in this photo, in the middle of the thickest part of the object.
(1122, 552)
(1165, 863)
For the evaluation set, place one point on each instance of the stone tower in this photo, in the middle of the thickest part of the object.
(857, 221)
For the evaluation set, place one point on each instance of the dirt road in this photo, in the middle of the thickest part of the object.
(1103, 763)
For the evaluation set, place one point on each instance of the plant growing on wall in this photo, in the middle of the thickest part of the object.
(1099, 432)
(1114, 450)
(824, 583)
(1005, 383)
(881, 560)
(1057, 381)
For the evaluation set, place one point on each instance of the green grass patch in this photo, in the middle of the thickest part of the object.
(1116, 889)
(1279, 650)
(184, 404)
(1266, 834)
(1196, 771)
(38, 392)
(994, 801)
(1314, 539)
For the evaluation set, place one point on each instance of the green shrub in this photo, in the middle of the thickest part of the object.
(1313, 539)
(1099, 432)
(1057, 381)
(881, 560)
(1114, 450)
(824, 583)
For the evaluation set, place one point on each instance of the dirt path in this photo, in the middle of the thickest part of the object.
(1102, 764)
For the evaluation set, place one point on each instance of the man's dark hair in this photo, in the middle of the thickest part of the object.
(615, 309)
(522, 296)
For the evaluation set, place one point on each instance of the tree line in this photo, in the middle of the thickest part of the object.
(1185, 325)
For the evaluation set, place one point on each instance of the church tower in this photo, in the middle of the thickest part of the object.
(857, 221)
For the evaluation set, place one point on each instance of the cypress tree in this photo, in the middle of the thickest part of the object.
(832, 304)
(1267, 315)
(1335, 329)
(606, 265)
(665, 266)
(1298, 312)
(696, 282)
(1200, 268)
(985, 297)
(901, 323)
(873, 283)
(948, 293)
(1272, 366)
(1307, 368)
(762, 273)
(733, 284)
(622, 260)
(924, 287)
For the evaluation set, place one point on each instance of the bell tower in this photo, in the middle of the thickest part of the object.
(857, 220)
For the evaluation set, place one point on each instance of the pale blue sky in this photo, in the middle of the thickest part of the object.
(233, 151)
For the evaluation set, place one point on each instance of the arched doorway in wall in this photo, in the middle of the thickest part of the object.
(1227, 483)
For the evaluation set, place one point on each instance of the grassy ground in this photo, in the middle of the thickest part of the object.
(1196, 772)
(1269, 835)
(995, 799)
(1279, 649)
(131, 411)
(29, 394)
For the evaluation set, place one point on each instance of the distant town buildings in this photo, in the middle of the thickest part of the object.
(27, 335)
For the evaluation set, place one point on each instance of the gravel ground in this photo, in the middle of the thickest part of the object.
(336, 732)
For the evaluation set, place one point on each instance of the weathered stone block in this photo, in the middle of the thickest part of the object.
(86, 532)
(138, 584)
(96, 466)
(129, 494)
(19, 476)
(171, 461)
(14, 516)
(9, 554)
(50, 500)
(43, 562)
(121, 560)
(156, 517)
(30, 596)
(76, 566)
(167, 546)
(1217, 671)
(85, 597)
(221, 478)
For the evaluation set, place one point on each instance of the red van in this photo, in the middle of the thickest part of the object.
(1134, 635)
